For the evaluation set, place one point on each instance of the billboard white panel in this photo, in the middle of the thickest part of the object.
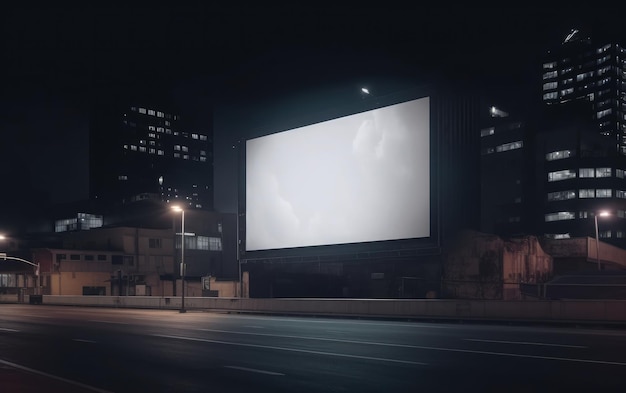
(359, 178)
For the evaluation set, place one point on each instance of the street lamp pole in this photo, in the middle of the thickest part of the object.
(595, 217)
(182, 256)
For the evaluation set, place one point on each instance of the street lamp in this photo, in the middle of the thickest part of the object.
(182, 255)
(595, 217)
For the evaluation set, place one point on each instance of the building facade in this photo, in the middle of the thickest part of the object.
(141, 148)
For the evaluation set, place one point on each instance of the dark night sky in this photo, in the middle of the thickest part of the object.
(217, 55)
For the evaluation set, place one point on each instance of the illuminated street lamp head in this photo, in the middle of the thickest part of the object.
(177, 208)
(603, 214)
(2, 237)
(365, 90)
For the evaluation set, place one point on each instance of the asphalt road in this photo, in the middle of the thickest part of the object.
(75, 349)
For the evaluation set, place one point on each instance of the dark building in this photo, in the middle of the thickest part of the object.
(583, 146)
(141, 148)
(552, 170)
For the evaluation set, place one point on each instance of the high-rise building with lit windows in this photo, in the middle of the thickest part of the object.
(549, 171)
(581, 70)
(141, 148)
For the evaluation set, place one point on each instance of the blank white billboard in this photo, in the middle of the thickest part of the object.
(359, 178)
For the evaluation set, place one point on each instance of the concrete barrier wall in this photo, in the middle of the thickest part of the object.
(613, 311)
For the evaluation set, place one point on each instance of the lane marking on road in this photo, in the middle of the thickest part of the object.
(254, 370)
(524, 343)
(291, 349)
(82, 340)
(255, 327)
(8, 330)
(429, 348)
(75, 383)
(113, 322)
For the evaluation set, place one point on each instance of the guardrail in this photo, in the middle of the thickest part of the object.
(589, 311)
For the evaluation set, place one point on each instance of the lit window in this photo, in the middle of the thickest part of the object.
(202, 159)
(168, 131)
(549, 66)
(142, 110)
(561, 195)
(605, 112)
(142, 149)
(142, 142)
(177, 147)
(487, 131)
(160, 129)
(551, 74)
(203, 137)
(186, 157)
(559, 216)
(586, 193)
(509, 146)
(194, 136)
(550, 85)
(620, 194)
(151, 112)
(151, 135)
(122, 177)
(176, 155)
(604, 193)
(550, 96)
(561, 175)
(558, 155)
(152, 151)
(185, 148)
(160, 152)
(202, 153)
(567, 91)
(133, 147)
(586, 172)
(603, 172)
(160, 114)
(151, 128)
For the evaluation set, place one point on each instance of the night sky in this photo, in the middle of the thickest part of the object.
(213, 56)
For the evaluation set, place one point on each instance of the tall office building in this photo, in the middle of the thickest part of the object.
(141, 148)
(583, 145)
(580, 69)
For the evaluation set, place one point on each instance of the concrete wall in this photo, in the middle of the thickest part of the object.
(590, 311)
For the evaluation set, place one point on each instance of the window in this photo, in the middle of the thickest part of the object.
(620, 194)
(89, 257)
(586, 172)
(184, 148)
(558, 155)
(619, 173)
(586, 193)
(129, 260)
(117, 260)
(102, 257)
(561, 195)
(203, 137)
(177, 147)
(603, 172)
(75, 257)
(154, 243)
(561, 175)
(550, 74)
(487, 131)
(559, 216)
(160, 114)
(215, 244)
(142, 110)
(550, 85)
(509, 146)
(151, 112)
(194, 136)
(550, 96)
(122, 177)
(604, 193)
